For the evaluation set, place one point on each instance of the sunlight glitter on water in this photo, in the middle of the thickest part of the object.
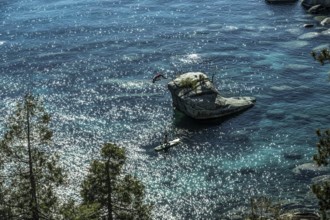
(94, 61)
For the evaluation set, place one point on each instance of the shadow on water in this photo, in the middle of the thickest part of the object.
(280, 7)
(183, 127)
(282, 4)
(286, 3)
(185, 122)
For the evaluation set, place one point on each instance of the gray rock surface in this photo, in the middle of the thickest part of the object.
(195, 95)
(316, 9)
(311, 170)
(308, 25)
(325, 21)
(310, 3)
(321, 179)
(300, 216)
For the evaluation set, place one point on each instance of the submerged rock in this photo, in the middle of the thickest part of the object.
(309, 35)
(300, 216)
(321, 179)
(195, 95)
(310, 170)
(281, 88)
(325, 21)
(293, 156)
(321, 47)
(326, 32)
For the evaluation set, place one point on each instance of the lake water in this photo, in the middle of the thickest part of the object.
(93, 61)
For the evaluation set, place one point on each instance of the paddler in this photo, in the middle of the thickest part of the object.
(166, 138)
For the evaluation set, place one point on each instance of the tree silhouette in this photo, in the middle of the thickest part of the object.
(30, 170)
(113, 194)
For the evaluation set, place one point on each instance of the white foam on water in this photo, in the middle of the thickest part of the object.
(230, 28)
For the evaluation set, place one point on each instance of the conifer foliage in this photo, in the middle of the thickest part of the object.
(323, 148)
(29, 168)
(323, 56)
(113, 194)
(322, 189)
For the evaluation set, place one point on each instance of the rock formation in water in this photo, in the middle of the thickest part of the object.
(195, 95)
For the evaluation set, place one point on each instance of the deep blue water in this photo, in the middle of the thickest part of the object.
(93, 61)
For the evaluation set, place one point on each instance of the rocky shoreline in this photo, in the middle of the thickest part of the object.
(309, 172)
(288, 210)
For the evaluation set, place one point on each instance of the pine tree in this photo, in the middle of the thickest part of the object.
(30, 168)
(113, 194)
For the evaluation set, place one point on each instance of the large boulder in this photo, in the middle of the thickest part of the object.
(311, 3)
(195, 95)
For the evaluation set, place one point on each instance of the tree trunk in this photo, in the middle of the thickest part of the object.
(323, 214)
(33, 201)
(109, 190)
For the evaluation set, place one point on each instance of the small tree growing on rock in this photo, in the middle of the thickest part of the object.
(322, 56)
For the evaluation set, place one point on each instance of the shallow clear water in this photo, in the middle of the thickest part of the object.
(93, 61)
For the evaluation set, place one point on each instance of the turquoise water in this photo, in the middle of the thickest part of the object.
(93, 61)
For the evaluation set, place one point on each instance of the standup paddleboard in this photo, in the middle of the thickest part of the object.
(166, 146)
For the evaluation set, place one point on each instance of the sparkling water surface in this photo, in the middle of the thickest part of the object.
(93, 61)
